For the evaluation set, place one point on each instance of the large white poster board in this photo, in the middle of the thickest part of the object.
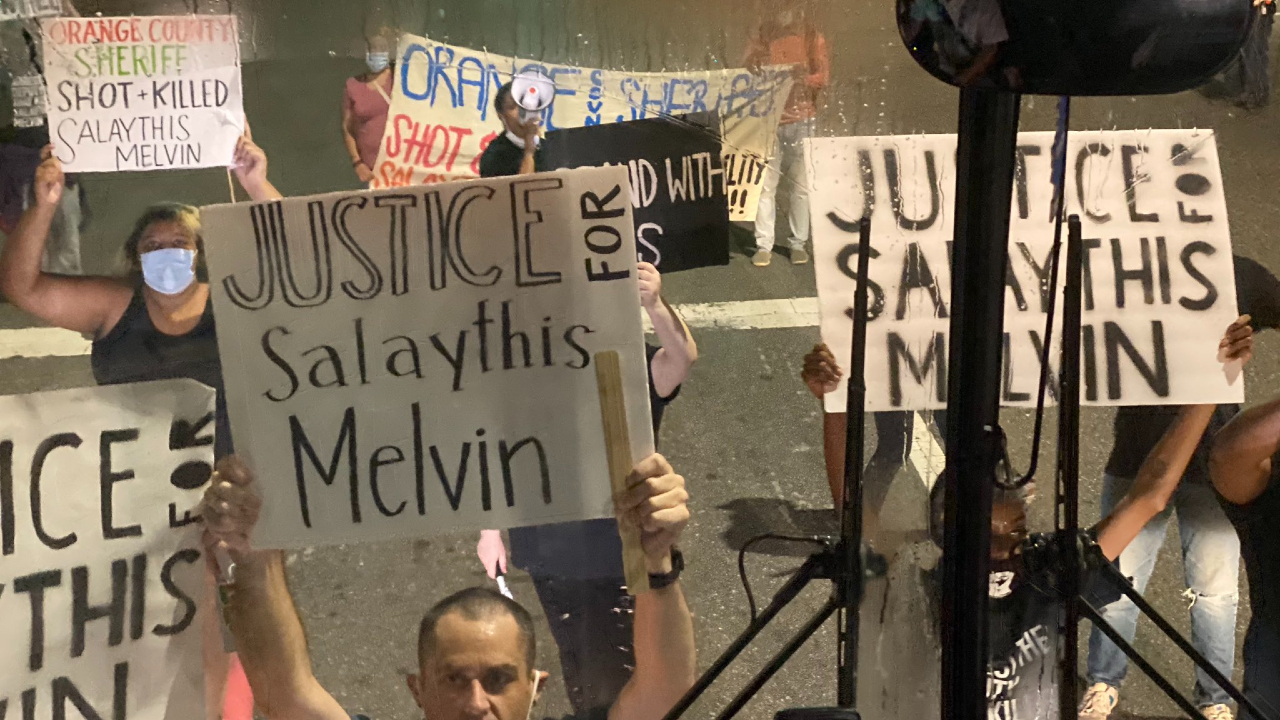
(442, 115)
(143, 93)
(100, 562)
(1159, 288)
(412, 361)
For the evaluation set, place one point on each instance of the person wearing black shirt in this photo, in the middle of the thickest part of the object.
(1025, 608)
(576, 567)
(516, 150)
(1210, 546)
(1244, 470)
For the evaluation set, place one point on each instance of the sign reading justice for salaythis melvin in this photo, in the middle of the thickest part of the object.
(421, 360)
(143, 93)
(1158, 284)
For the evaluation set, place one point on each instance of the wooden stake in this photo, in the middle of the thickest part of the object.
(617, 440)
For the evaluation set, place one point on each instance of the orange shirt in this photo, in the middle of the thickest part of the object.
(792, 50)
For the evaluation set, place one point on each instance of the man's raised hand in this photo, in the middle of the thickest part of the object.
(656, 502)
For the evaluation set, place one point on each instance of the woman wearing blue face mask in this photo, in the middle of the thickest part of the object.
(365, 105)
(154, 323)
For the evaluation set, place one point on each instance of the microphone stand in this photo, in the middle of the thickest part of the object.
(840, 559)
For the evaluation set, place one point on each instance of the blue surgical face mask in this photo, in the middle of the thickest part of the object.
(169, 271)
(377, 61)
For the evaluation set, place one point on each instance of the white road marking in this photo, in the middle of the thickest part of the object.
(928, 456)
(42, 342)
(750, 314)
(736, 315)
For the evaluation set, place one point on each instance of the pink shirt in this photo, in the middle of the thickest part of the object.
(368, 109)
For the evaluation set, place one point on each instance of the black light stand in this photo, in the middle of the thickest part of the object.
(839, 560)
(1076, 555)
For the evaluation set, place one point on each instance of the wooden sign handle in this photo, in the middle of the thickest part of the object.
(617, 441)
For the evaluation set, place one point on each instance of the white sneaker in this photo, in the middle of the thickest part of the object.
(1217, 712)
(1099, 700)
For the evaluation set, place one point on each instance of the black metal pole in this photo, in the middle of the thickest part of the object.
(984, 190)
(848, 591)
(1069, 467)
(780, 658)
(1160, 680)
(1119, 580)
(815, 567)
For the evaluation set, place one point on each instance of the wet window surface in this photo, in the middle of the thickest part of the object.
(744, 429)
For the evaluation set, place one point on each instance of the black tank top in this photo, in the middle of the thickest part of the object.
(135, 351)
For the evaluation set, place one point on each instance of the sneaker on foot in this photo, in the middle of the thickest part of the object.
(1098, 702)
(1217, 712)
(800, 256)
(762, 258)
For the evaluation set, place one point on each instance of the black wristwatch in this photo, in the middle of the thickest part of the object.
(659, 581)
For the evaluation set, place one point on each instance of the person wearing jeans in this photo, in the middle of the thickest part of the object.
(786, 168)
(788, 37)
(1211, 563)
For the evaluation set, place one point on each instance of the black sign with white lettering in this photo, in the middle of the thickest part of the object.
(677, 183)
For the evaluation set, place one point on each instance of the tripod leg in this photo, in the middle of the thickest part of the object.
(1172, 633)
(813, 567)
(778, 660)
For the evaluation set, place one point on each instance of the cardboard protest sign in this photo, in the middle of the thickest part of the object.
(412, 361)
(442, 115)
(678, 195)
(23, 9)
(1159, 288)
(101, 574)
(143, 93)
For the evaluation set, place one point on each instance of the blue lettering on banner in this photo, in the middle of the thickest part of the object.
(439, 70)
(556, 73)
(595, 101)
(410, 93)
(482, 96)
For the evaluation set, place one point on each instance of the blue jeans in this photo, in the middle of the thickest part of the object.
(1211, 568)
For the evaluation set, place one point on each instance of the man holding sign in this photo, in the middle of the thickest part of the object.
(475, 648)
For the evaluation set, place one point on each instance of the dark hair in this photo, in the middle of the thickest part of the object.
(477, 603)
(1000, 496)
(188, 215)
(500, 99)
(1257, 293)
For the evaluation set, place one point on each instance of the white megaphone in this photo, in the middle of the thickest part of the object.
(533, 92)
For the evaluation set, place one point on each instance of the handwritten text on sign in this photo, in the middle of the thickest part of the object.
(100, 563)
(411, 361)
(1158, 284)
(442, 114)
(143, 93)
(677, 183)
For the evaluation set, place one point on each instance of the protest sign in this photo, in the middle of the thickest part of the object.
(143, 93)
(28, 101)
(413, 361)
(24, 9)
(101, 573)
(442, 115)
(1158, 284)
(678, 196)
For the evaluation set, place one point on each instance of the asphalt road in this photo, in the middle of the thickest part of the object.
(744, 431)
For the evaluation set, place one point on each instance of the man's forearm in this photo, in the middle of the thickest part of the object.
(1157, 479)
(268, 633)
(1240, 462)
(666, 661)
